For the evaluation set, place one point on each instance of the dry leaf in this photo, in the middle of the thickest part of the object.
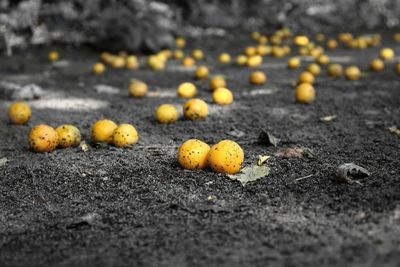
(289, 152)
(84, 146)
(262, 159)
(351, 173)
(394, 130)
(3, 161)
(250, 174)
(328, 118)
(266, 137)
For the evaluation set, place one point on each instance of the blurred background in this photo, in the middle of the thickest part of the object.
(146, 25)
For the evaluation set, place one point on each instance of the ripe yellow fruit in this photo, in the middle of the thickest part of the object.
(197, 54)
(224, 58)
(254, 61)
(277, 51)
(250, 51)
(178, 54)
(293, 63)
(303, 51)
(19, 113)
(305, 93)
(195, 109)
(323, 60)
(222, 96)
(217, 82)
(202, 72)
(186, 90)
(192, 154)
(166, 114)
(98, 68)
(377, 65)
(320, 37)
(68, 136)
(102, 131)
(53, 56)
(316, 52)
(258, 78)
(180, 42)
(137, 89)
(262, 40)
(352, 73)
(306, 77)
(396, 37)
(386, 53)
(276, 40)
(241, 60)
(255, 36)
(118, 62)
(226, 157)
(286, 49)
(156, 63)
(335, 70)
(398, 68)
(125, 135)
(331, 44)
(314, 69)
(345, 37)
(132, 62)
(188, 62)
(263, 50)
(43, 138)
(301, 40)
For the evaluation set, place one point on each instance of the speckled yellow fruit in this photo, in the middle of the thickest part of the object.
(306, 77)
(132, 62)
(226, 157)
(68, 136)
(197, 54)
(241, 60)
(250, 51)
(377, 65)
(188, 62)
(254, 61)
(53, 56)
(305, 93)
(201, 73)
(323, 60)
(335, 70)
(222, 96)
(192, 154)
(331, 44)
(178, 54)
(258, 78)
(125, 135)
(137, 89)
(386, 53)
(180, 42)
(19, 113)
(352, 73)
(186, 90)
(98, 68)
(118, 62)
(195, 109)
(102, 131)
(166, 114)
(293, 63)
(217, 82)
(301, 40)
(224, 58)
(43, 138)
(314, 69)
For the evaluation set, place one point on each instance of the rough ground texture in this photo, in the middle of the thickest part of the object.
(130, 207)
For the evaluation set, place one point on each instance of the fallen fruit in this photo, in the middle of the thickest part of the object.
(222, 96)
(68, 136)
(258, 78)
(314, 69)
(98, 68)
(335, 70)
(306, 77)
(293, 63)
(323, 59)
(201, 72)
(224, 58)
(166, 114)
(102, 131)
(377, 65)
(53, 56)
(352, 73)
(180, 42)
(331, 44)
(19, 113)
(226, 157)
(305, 93)
(386, 53)
(195, 109)
(241, 60)
(188, 62)
(137, 89)
(132, 62)
(43, 138)
(192, 154)
(186, 90)
(125, 135)
(217, 82)
(197, 54)
(301, 40)
(254, 61)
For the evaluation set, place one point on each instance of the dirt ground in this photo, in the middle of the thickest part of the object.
(138, 207)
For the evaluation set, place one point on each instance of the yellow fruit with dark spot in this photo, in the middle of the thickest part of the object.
(352, 73)
(43, 138)
(197, 54)
(386, 53)
(224, 58)
(202, 72)
(323, 60)
(166, 114)
(250, 51)
(180, 42)
(132, 62)
(331, 44)
(217, 82)
(53, 56)
(137, 89)
(186, 90)
(314, 69)
(335, 70)
(98, 68)
(254, 61)
(293, 63)
(195, 109)
(305, 93)
(68, 136)
(258, 78)
(377, 65)
(125, 135)
(102, 131)
(306, 77)
(226, 157)
(301, 40)
(19, 113)
(188, 62)
(192, 154)
(222, 96)
(241, 60)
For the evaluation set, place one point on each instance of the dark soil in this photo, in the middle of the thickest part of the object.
(131, 207)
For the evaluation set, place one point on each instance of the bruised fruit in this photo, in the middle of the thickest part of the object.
(225, 157)
(195, 109)
(43, 138)
(68, 136)
(19, 113)
(102, 131)
(137, 89)
(305, 93)
(222, 96)
(192, 154)
(125, 135)
(186, 90)
(166, 114)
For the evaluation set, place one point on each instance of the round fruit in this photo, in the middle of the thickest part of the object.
(188, 62)
(352, 73)
(118, 62)
(195, 109)
(255, 36)
(180, 42)
(137, 88)
(186, 90)
(250, 51)
(192, 154)
(305, 93)
(98, 68)
(222, 96)
(301, 40)
(217, 82)
(377, 65)
(166, 114)
(331, 44)
(226, 157)
(345, 37)
(386, 53)
(277, 52)
(102, 131)
(241, 60)
(306, 77)
(335, 70)
(263, 40)
(178, 54)
(224, 58)
(197, 54)
(19, 113)
(254, 61)
(125, 135)
(201, 72)
(68, 136)
(323, 60)
(53, 56)
(132, 63)
(263, 50)
(43, 138)
(398, 68)
(156, 63)
(320, 37)
(314, 69)
(258, 78)
(293, 63)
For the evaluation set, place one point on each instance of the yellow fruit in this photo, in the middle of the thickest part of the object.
(320, 37)
(396, 37)
(241, 60)
(43, 138)
(166, 114)
(156, 63)
(345, 37)
(377, 65)
(132, 63)
(68, 136)
(180, 42)
(125, 135)
(301, 40)
(303, 51)
(255, 35)
(224, 58)
(201, 72)
(188, 62)
(98, 68)
(323, 60)
(331, 44)
(306, 77)
(197, 54)
(19, 113)
(314, 69)
(277, 52)
(217, 82)
(263, 50)
(352, 73)
(293, 63)
(192, 154)
(178, 54)
(118, 62)
(305, 93)
(286, 49)
(258, 78)
(137, 89)
(276, 40)
(254, 61)
(105, 57)
(398, 68)
(316, 52)
(53, 56)
(250, 51)
(335, 70)
(386, 53)
(262, 40)
(222, 96)
(195, 109)
(226, 157)
(186, 90)
(102, 131)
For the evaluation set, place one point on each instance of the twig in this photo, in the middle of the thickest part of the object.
(304, 177)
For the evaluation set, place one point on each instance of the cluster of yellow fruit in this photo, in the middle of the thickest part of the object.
(224, 157)
(194, 109)
(120, 61)
(107, 131)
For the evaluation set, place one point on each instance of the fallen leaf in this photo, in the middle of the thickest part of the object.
(308, 153)
(328, 118)
(262, 159)
(250, 174)
(295, 152)
(3, 161)
(84, 146)
(266, 137)
(394, 130)
(351, 173)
